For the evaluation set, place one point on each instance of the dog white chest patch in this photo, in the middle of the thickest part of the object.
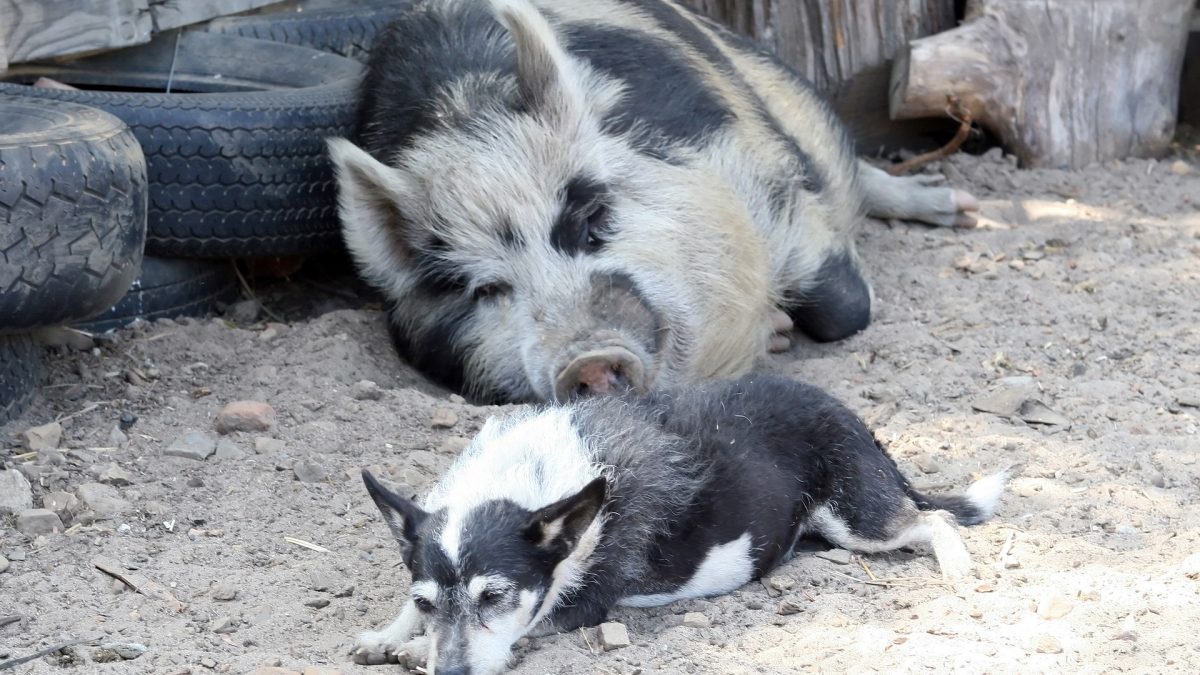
(724, 568)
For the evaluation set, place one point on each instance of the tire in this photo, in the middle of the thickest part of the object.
(238, 167)
(72, 212)
(168, 288)
(345, 28)
(20, 373)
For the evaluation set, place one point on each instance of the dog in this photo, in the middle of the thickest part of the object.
(553, 516)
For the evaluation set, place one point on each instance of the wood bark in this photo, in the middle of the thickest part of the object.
(1061, 83)
(845, 47)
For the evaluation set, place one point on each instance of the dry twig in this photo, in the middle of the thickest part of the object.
(138, 582)
(954, 110)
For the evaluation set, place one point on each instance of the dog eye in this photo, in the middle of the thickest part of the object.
(423, 604)
(492, 291)
(490, 597)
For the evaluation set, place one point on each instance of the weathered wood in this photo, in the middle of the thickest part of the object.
(39, 29)
(1061, 83)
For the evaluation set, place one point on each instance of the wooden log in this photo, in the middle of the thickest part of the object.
(1061, 83)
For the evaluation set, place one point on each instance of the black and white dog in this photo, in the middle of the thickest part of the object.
(553, 516)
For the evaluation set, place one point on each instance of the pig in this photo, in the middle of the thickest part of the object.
(562, 198)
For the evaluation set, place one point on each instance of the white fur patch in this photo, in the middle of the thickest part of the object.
(488, 647)
(532, 459)
(985, 493)
(724, 568)
(928, 527)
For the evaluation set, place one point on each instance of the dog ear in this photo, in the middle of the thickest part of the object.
(402, 516)
(557, 528)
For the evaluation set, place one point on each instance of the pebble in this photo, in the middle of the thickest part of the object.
(38, 521)
(3, 564)
(789, 607)
(926, 463)
(366, 390)
(309, 472)
(103, 500)
(612, 635)
(118, 651)
(696, 620)
(265, 445)
(191, 445)
(42, 439)
(1053, 605)
(117, 438)
(208, 662)
(112, 474)
(228, 450)
(317, 603)
(456, 398)
(781, 583)
(444, 418)
(127, 420)
(1048, 644)
(839, 556)
(195, 482)
(453, 445)
(244, 312)
(224, 624)
(328, 582)
(272, 331)
(320, 670)
(1189, 398)
(245, 416)
(224, 591)
(273, 670)
(16, 494)
(1180, 168)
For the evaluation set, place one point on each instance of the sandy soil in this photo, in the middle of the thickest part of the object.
(1080, 291)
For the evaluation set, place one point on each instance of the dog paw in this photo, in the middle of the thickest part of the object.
(378, 647)
(955, 563)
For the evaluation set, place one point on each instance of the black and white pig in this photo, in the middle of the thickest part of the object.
(564, 197)
(553, 516)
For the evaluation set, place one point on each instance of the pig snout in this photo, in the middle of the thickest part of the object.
(602, 371)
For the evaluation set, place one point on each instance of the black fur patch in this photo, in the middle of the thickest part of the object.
(435, 350)
(667, 102)
(582, 227)
(838, 307)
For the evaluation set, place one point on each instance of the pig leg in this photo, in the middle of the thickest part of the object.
(782, 324)
(918, 198)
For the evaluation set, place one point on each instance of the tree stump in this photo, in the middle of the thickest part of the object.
(1061, 83)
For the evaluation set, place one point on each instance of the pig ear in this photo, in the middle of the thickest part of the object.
(401, 515)
(371, 200)
(559, 527)
(543, 67)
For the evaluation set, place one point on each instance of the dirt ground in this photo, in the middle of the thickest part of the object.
(1078, 297)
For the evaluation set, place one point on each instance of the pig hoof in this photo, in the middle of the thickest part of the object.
(937, 205)
(781, 322)
(780, 344)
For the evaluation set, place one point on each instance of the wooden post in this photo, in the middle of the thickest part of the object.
(1061, 83)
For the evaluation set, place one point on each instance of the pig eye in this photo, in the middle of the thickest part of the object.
(492, 291)
(423, 604)
(596, 224)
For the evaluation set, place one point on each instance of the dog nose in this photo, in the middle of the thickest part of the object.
(598, 372)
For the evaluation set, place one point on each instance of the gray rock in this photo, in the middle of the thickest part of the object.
(453, 445)
(224, 591)
(837, 555)
(926, 463)
(117, 438)
(317, 603)
(103, 500)
(329, 582)
(366, 390)
(244, 312)
(264, 445)
(33, 522)
(1189, 398)
(43, 438)
(113, 652)
(309, 472)
(443, 418)
(64, 504)
(191, 445)
(781, 583)
(696, 620)
(228, 450)
(612, 635)
(16, 494)
(788, 607)
(3, 564)
(245, 416)
(223, 624)
(112, 474)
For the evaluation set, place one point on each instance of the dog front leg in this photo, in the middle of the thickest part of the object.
(387, 645)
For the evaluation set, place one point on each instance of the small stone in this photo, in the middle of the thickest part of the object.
(264, 445)
(245, 416)
(985, 587)
(1094, 595)
(975, 613)
(112, 474)
(244, 312)
(101, 499)
(3, 564)
(195, 482)
(781, 583)
(789, 607)
(1188, 398)
(1053, 605)
(16, 494)
(455, 398)
(228, 450)
(224, 591)
(42, 439)
(64, 504)
(320, 670)
(366, 390)
(453, 445)
(224, 624)
(926, 463)
(1180, 168)
(208, 662)
(327, 582)
(38, 521)
(1048, 644)
(839, 556)
(309, 472)
(1011, 562)
(444, 418)
(274, 670)
(118, 651)
(191, 445)
(128, 419)
(117, 438)
(612, 635)
(696, 620)
(317, 603)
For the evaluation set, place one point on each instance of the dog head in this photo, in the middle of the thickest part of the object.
(484, 576)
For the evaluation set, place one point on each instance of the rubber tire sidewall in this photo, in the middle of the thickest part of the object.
(20, 374)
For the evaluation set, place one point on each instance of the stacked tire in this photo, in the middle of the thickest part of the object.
(129, 195)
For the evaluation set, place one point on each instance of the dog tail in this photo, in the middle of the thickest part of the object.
(977, 504)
